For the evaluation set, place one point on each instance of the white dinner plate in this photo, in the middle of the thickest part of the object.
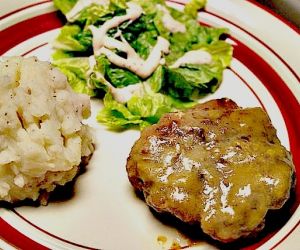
(104, 212)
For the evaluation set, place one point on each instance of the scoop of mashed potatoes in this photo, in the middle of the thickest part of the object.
(42, 137)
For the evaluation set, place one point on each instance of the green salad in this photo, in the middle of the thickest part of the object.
(143, 58)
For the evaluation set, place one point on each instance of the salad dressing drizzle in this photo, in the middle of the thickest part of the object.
(193, 57)
(142, 68)
(169, 22)
(121, 95)
(103, 44)
(137, 40)
(133, 12)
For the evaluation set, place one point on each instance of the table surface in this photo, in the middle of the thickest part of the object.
(288, 9)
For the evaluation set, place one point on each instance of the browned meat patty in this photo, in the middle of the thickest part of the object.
(216, 164)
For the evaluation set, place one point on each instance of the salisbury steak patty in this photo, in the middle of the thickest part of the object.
(216, 164)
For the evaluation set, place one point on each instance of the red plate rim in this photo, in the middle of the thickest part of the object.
(273, 13)
(50, 21)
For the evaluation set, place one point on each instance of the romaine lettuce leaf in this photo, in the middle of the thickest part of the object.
(121, 77)
(149, 6)
(168, 88)
(143, 109)
(144, 43)
(219, 50)
(118, 77)
(92, 13)
(95, 14)
(97, 80)
(76, 69)
(60, 54)
(64, 5)
(207, 35)
(116, 115)
(156, 80)
(73, 38)
(150, 106)
(141, 34)
(195, 36)
(190, 81)
(192, 7)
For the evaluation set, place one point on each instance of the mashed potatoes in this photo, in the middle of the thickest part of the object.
(42, 138)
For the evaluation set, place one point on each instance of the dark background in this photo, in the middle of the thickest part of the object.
(289, 9)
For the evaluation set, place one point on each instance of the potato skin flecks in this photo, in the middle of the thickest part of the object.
(42, 138)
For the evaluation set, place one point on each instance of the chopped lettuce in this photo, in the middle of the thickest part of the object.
(156, 81)
(121, 77)
(64, 5)
(116, 115)
(76, 68)
(142, 109)
(100, 13)
(191, 81)
(192, 7)
(219, 50)
(118, 77)
(168, 88)
(141, 34)
(149, 6)
(73, 38)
